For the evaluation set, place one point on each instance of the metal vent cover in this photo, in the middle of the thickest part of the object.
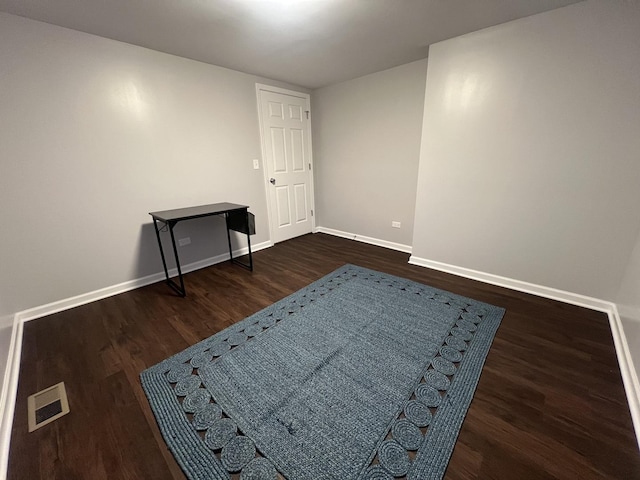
(47, 405)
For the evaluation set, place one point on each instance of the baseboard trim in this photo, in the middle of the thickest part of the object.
(627, 369)
(9, 391)
(526, 287)
(60, 305)
(12, 370)
(364, 239)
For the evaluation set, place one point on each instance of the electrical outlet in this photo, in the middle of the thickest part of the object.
(256, 164)
(184, 241)
(395, 224)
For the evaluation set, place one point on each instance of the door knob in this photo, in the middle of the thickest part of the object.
(272, 181)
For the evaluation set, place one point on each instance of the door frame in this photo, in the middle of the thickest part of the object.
(260, 87)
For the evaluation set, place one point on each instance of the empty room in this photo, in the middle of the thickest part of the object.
(319, 239)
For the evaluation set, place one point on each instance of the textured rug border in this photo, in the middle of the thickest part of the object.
(449, 417)
(196, 459)
(192, 455)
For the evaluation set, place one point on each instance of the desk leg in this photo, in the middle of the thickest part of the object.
(164, 262)
(249, 244)
(233, 260)
(179, 289)
(226, 221)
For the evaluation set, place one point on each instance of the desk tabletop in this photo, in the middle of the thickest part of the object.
(195, 212)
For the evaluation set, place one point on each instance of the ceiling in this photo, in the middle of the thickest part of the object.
(309, 43)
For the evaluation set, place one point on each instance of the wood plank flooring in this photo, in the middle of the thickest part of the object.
(550, 403)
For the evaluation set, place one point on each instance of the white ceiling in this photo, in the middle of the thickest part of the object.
(310, 43)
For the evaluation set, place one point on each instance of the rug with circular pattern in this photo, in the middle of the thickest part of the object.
(360, 375)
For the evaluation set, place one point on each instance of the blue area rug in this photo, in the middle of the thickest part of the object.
(361, 375)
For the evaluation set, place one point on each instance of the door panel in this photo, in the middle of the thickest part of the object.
(279, 150)
(297, 149)
(295, 112)
(275, 110)
(287, 148)
(284, 206)
(300, 196)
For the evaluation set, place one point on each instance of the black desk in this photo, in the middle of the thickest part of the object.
(237, 218)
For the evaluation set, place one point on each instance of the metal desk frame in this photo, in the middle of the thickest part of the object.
(171, 217)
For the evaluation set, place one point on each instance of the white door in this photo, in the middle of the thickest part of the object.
(286, 147)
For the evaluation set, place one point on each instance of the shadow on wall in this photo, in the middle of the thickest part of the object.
(148, 261)
(207, 238)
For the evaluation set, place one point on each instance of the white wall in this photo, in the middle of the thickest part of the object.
(529, 161)
(94, 134)
(628, 300)
(6, 329)
(366, 143)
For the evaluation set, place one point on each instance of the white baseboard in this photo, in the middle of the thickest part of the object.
(627, 369)
(526, 287)
(12, 371)
(9, 391)
(361, 238)
(89, 297)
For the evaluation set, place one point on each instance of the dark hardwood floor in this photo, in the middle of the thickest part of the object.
(550, 403)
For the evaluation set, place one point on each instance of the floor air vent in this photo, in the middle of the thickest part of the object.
(46, 406)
